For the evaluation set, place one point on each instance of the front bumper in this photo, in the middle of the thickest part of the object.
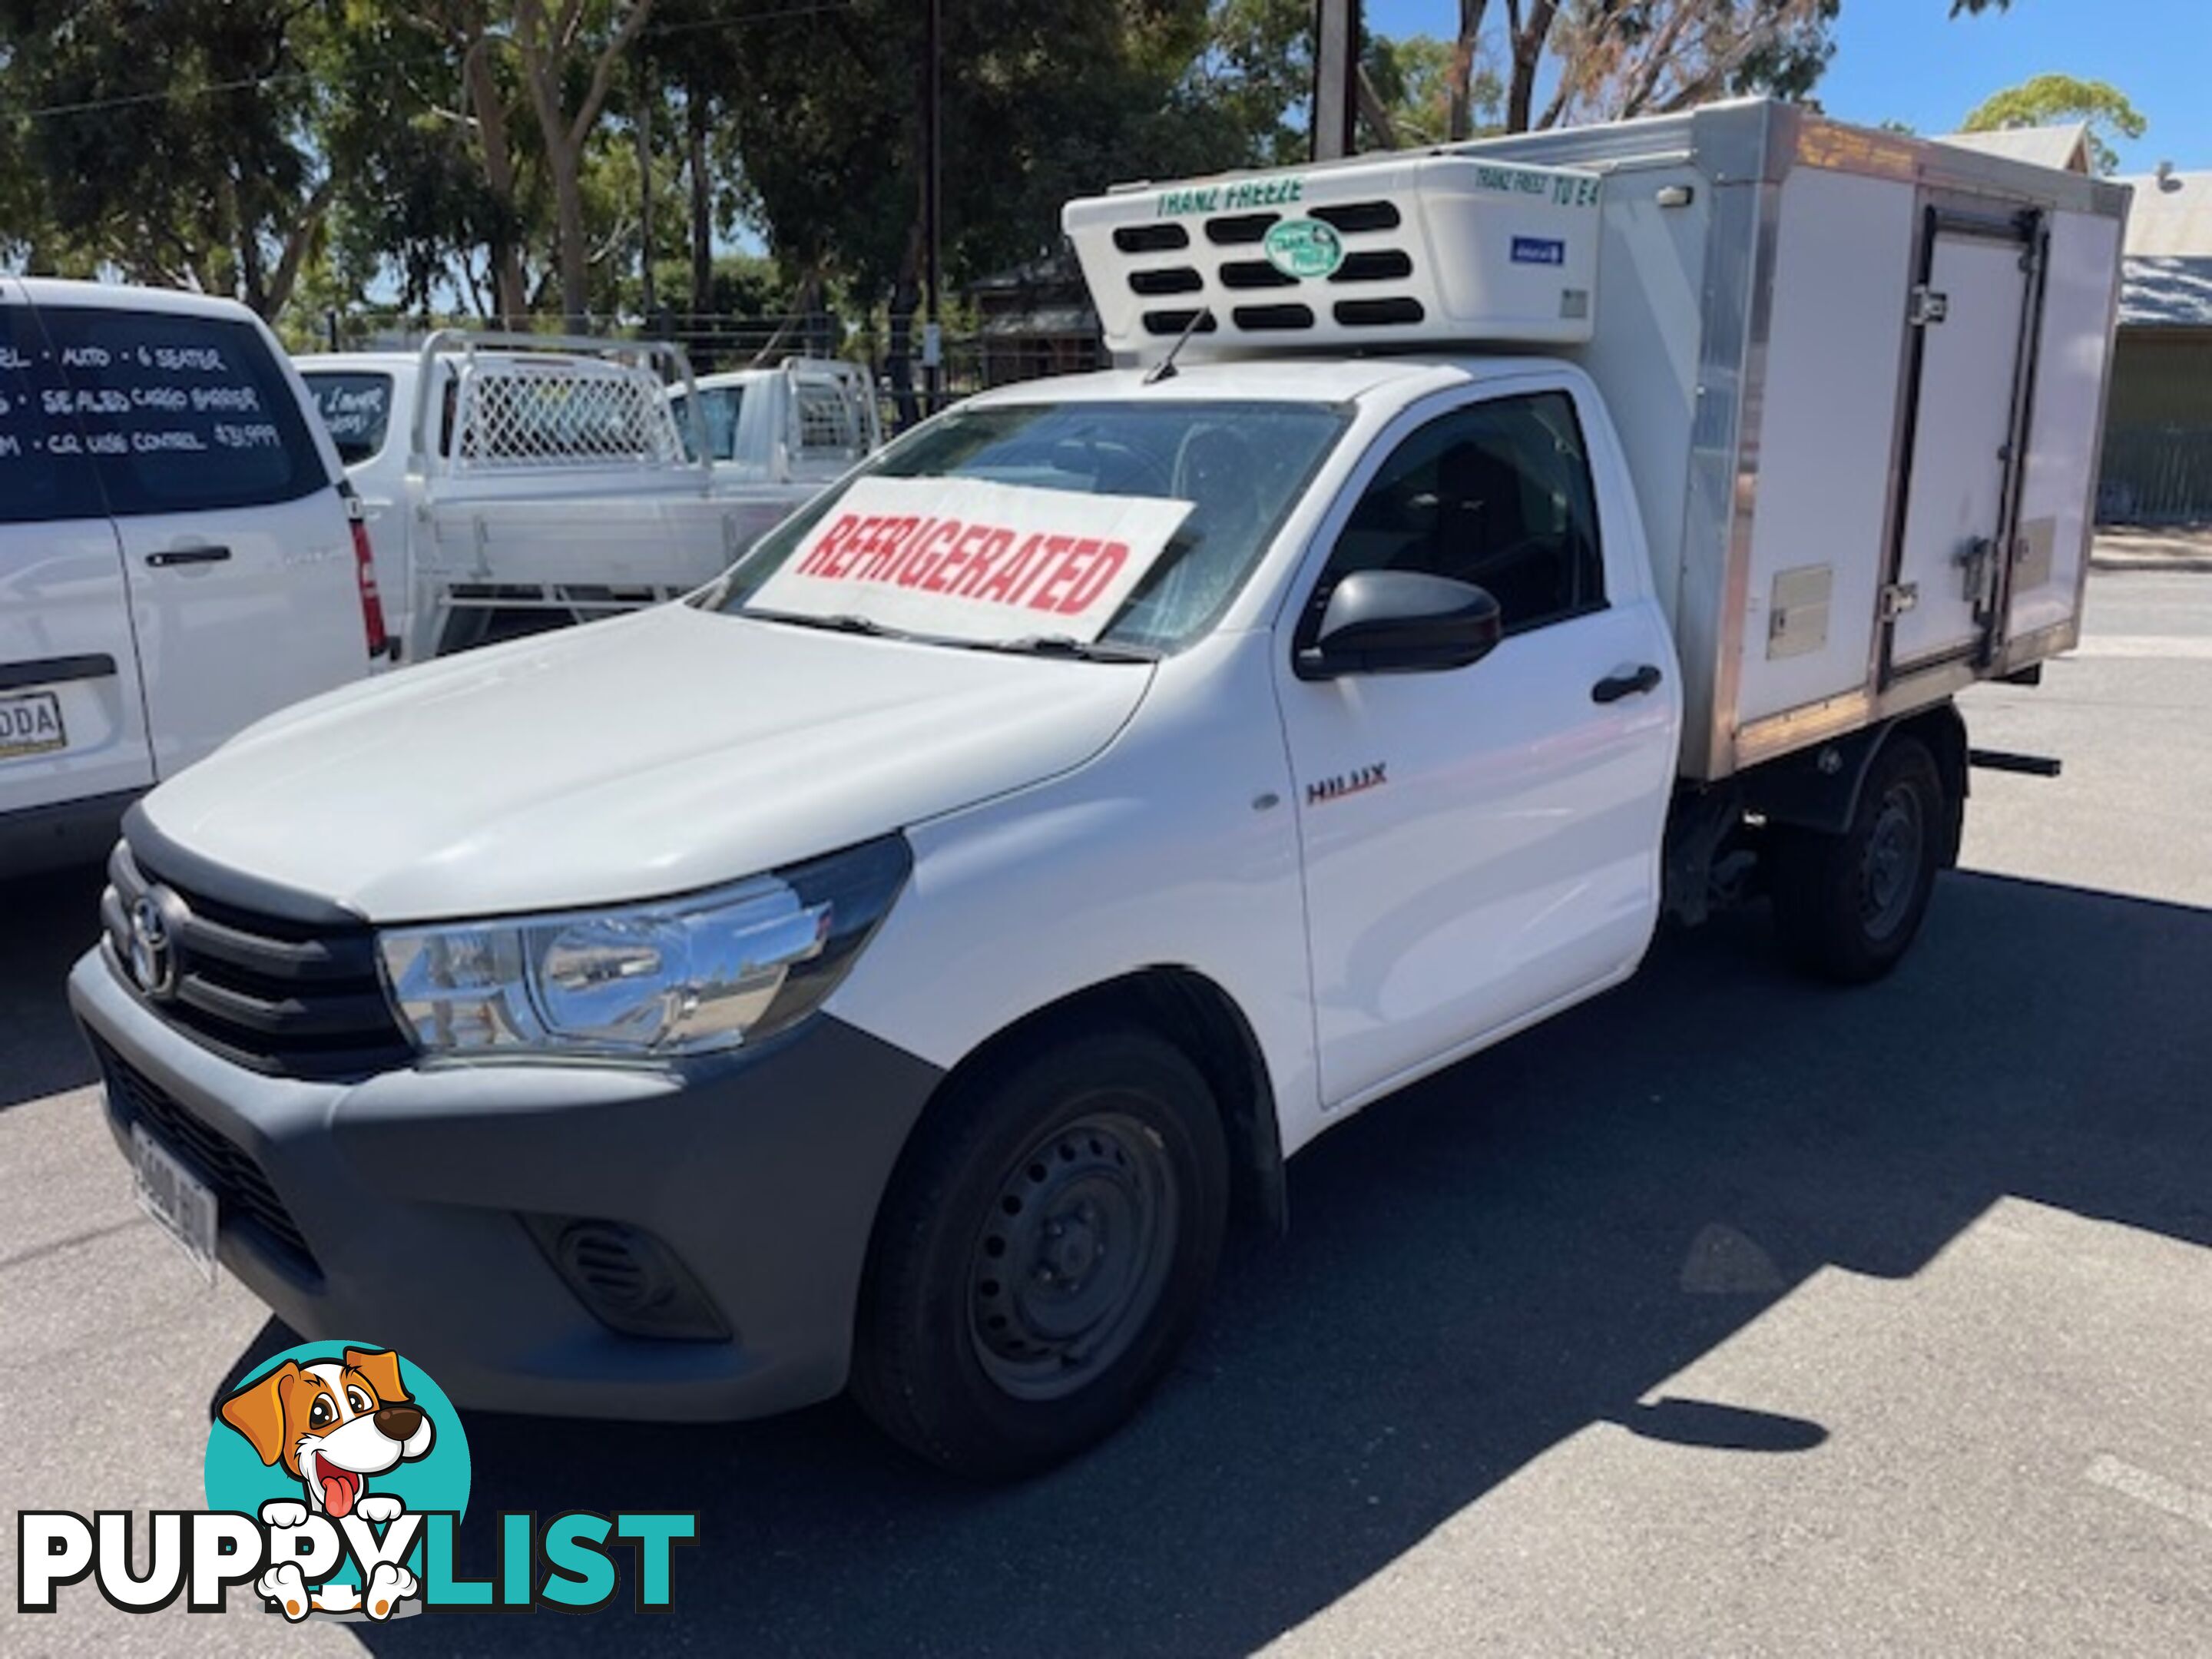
(760, 1171)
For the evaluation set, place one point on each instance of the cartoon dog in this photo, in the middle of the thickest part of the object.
(332, 1426)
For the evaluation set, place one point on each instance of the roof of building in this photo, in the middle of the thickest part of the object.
(2169, 250)
(2165, 292)
(2065, 146)
(2171, 216)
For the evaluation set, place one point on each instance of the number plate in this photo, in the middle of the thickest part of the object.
(31, 725)
(176, 1198)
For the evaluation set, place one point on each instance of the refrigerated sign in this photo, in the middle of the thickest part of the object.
(965, 559)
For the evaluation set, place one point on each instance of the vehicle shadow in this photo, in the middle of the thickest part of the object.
(1529, 1244)
(46, 924)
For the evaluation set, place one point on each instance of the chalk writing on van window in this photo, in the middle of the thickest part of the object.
(176, 413)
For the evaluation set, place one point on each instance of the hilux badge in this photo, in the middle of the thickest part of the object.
(1348, 783)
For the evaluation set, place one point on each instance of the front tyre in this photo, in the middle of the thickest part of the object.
(1043, 1253)
(1848, 907)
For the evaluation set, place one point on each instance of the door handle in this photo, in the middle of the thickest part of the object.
(174, 555)
(1614, 686)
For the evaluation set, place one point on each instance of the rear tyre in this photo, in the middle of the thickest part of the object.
(1848, 907)
(1044, 1252)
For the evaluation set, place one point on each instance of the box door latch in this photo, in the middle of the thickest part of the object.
(1899, 597)
(1927, 307)
(1978, 559)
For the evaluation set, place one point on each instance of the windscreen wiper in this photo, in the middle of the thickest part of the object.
(845, 622)
(1062, 645)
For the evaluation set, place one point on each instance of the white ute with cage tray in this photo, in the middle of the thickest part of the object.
(515, 480)
(892, 967)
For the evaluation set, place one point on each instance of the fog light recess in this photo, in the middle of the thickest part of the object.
(628, 1279)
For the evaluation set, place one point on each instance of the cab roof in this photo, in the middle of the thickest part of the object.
(1269, 380)
(124, 296)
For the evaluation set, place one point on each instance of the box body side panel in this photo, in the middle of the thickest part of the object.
(1651, 338)
(1827, 437)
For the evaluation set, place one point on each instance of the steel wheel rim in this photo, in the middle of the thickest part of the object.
(1074, 1256)
(1889, 872)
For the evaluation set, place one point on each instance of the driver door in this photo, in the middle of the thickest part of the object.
(1481, 843)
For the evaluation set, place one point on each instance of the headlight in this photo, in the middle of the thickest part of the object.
(677, 976)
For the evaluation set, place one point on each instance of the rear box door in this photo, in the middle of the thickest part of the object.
(72, 722)
(1971, 312)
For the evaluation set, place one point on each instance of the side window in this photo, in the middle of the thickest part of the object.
(182, 414)
(45, 472)
(1496, 494)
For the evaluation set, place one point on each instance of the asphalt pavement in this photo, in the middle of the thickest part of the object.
(1726, 1314)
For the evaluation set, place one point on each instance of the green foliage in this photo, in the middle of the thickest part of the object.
(485, 155)
(1257, 74)
(1042, 99)
(1411, 79)
(2047, 99)
(170, 140)
(1616, 59)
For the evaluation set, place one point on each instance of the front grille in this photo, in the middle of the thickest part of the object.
(242, 1192)
(280, 997)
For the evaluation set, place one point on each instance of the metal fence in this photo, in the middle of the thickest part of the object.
(2156, 476)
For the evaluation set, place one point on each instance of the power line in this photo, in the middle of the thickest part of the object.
(256, 82)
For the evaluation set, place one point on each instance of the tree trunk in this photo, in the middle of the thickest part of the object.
(1528, 53)
(906, 300)
(547, 49)
(255, 291)
(695, 113)
(498, 157)
(1461, 122)
(645, 93)
(575, 258)
(297, 241)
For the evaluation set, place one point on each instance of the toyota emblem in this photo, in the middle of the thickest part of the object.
(153, 948)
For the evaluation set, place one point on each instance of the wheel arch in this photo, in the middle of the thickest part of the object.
(1189, 1010)
(1819, 789)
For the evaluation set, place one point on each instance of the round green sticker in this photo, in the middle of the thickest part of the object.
(1304, 247)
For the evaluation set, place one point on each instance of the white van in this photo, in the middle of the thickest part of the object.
(177, 553)
(888, 968)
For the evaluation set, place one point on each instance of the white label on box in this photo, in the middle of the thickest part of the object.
(968, 560)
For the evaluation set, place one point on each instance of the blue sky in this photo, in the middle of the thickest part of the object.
(1909, 60)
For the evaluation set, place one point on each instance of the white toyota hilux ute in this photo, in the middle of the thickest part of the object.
(891, 967)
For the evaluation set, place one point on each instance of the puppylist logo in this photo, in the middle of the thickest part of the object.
(336, 1478)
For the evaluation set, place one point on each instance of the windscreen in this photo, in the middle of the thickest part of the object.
(1239, 466)
(356, 407)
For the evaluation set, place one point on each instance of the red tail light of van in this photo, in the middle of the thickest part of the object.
(364, 566)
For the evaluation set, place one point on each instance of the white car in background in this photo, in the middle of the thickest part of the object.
(179, 552)
(803, 424)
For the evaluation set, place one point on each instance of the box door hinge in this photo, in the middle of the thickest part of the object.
(1899, 597)
(1927, 307)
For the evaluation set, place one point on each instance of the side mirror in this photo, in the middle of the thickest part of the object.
(1401, 621)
